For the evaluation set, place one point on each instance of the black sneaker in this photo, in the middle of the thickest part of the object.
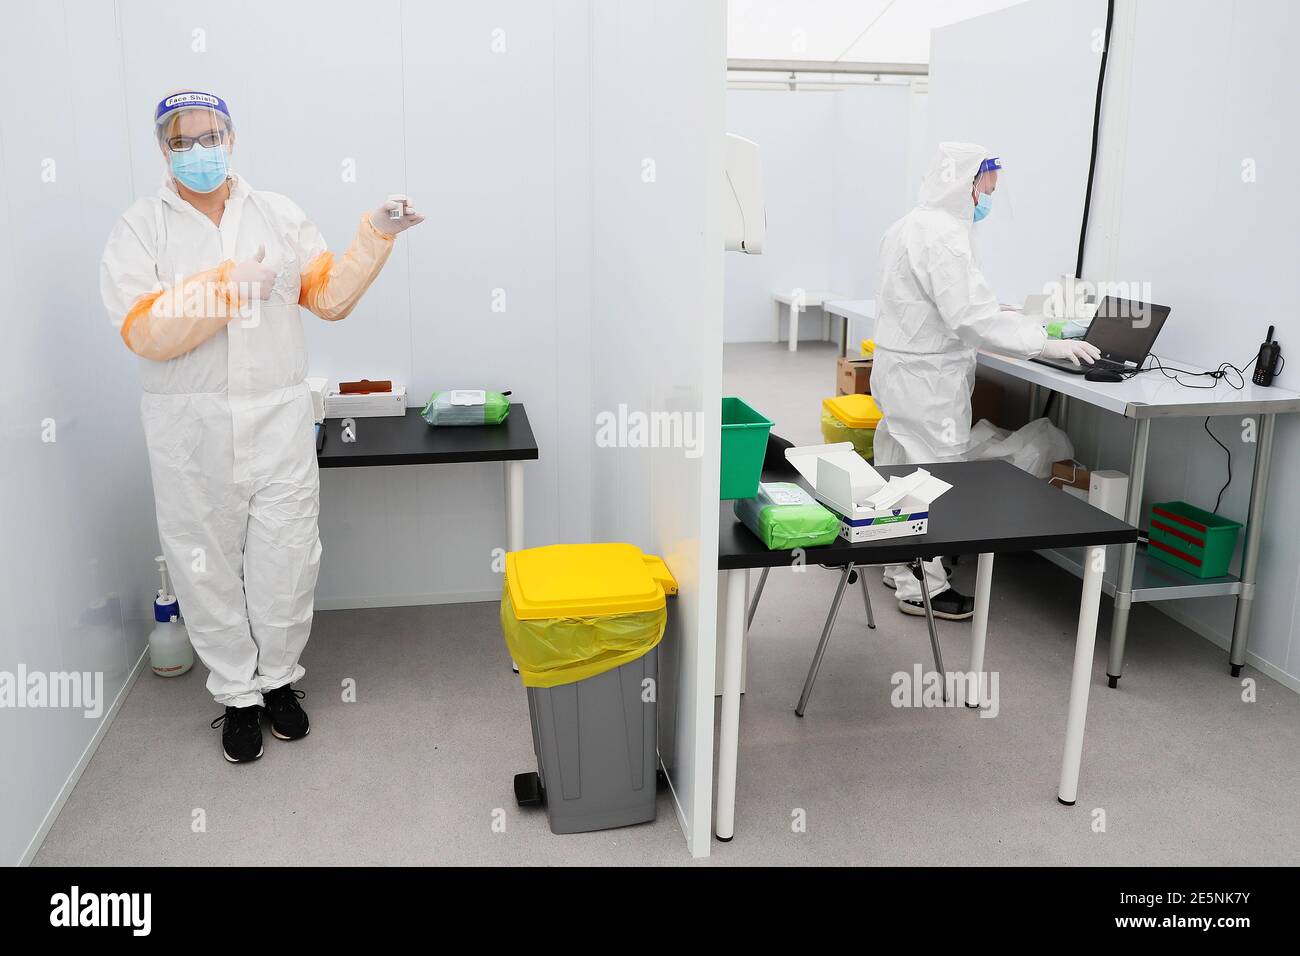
(288, 719)
(241, 735)
(951, 605)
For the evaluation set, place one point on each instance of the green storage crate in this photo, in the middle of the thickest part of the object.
(744, 444)
(1191, 539)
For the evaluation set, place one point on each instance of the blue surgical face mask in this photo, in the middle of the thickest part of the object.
(201, 168)
(983, 206)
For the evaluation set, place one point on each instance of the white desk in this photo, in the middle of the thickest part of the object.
(800, 300)
(850, 310)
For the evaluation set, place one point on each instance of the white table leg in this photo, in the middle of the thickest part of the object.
(1094, 567)
(733, 638)
(514, 515)
(514, 505)
(794, 328)
(979, 628)
(777, 337)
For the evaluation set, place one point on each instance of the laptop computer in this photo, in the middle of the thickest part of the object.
(1123, 331)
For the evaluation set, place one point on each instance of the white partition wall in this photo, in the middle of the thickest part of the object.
(836, 173)
(1202, 206)
(568, 157)
(1194, 206)
(874, 180)
(656, 316)
(795, 133)
(1030, 102)
(78, 535)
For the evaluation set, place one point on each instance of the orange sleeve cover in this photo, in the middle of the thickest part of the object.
(332, 288)
(176, 319)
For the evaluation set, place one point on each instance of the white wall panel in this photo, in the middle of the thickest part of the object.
(1022, 83)
(76, 553)
(657, 334)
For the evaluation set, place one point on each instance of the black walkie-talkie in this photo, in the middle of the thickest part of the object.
(1266, 364)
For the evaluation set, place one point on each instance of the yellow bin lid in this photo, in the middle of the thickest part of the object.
(586, 580)
(856, 411)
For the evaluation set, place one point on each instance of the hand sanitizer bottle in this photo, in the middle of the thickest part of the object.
(170, 653)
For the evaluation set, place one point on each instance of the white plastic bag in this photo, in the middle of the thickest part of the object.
(1032, 448)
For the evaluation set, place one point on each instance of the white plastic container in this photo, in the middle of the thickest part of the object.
(170, 653)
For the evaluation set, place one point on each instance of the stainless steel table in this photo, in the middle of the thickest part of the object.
(1143, 399)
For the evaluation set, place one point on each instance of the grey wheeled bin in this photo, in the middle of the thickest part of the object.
(583, 624)
(597, 748)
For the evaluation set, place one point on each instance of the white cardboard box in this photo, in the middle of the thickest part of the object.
(869, 507)
(369, 405)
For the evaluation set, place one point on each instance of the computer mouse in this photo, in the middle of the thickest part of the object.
(1102, 375)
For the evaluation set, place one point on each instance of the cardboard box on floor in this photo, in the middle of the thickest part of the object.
(986, 401)
(1072, 474)
(852, 376)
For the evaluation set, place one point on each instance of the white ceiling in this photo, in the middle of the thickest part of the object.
(897, 31)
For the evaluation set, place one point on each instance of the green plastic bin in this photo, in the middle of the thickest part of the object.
(1191, 539)
(744, 443)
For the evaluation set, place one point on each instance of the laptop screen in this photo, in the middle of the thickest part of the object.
(1125, 330)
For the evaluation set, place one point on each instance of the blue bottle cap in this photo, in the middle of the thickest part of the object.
(164, 611)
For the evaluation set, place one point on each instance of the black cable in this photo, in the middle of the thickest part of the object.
(1223, 372)
(1096, 129)
(1219, 499)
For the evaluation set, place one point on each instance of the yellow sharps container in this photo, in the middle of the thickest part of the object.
(852, 418)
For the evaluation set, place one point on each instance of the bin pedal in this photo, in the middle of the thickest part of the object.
(528, 789)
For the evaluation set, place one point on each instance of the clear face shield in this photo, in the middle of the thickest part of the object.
(992, 238)
(990, 190)
(197, 137)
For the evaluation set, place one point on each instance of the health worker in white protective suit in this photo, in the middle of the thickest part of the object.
(204, 281)
(934, 309)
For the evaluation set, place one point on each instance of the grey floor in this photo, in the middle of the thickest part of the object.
(1177, 768)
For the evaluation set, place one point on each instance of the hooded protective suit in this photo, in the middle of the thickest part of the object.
(228, 417)
(934, 309)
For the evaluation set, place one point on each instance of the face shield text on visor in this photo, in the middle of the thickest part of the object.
(196, 134)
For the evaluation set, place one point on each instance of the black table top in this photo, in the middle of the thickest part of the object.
(993, 506)
(410, 440)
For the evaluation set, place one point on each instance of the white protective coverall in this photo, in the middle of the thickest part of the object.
(228, 417)
(933, 310)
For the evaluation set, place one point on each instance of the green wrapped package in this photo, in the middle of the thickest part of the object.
(784, 516)
(465, 406)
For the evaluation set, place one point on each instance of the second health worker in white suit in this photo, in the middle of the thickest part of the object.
(934, 309)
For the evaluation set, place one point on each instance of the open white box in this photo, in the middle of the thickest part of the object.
(869, 506)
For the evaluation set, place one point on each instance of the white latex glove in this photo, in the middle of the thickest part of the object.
(391, 227)
(1075, 350)
(253, 278)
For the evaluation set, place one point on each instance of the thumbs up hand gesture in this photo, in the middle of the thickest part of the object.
(253, 277)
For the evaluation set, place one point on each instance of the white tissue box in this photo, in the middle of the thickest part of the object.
(369, 405)
(869, 507)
